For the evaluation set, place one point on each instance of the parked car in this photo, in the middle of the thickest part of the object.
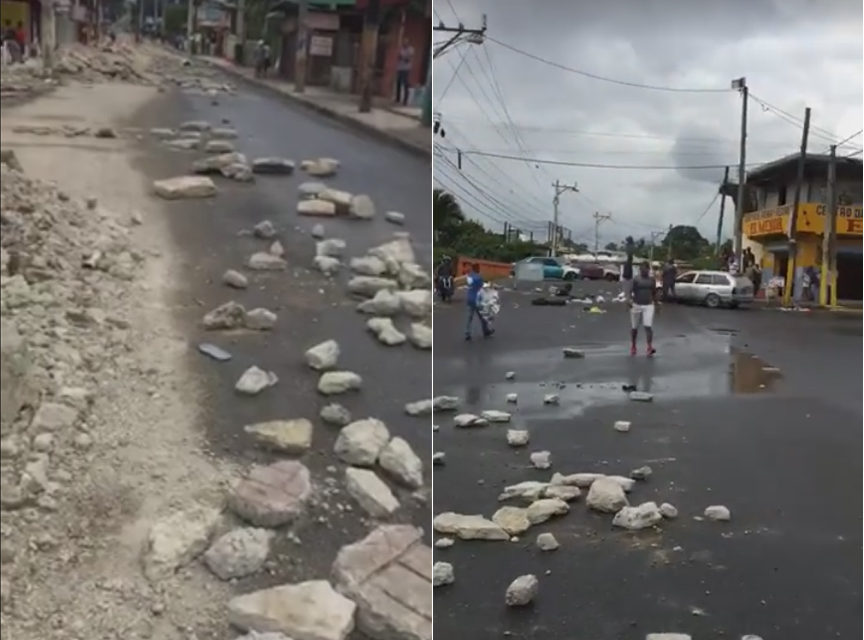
(553, 269)
(594, 271)
(713, 288)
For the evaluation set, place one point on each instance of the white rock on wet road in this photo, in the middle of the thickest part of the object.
(272, 495)
(254, 380)
(493, 415)
(541, 459)
(513, 520)
(446, 403)
(260, 319)
(361, 442)
(562, 492)
(444, 543)
(239, 171)
(368, 266)
(340, 199)
(383, 303)
(442, 574)
(528, 490)
(546, 542)
(398, 459)
(641, 396)
(306, 611)
(395, 217)
(230, 315)
(331, 247)
(420, 335)
(637, 518)
(517, 437)
(642, 473)
(235, 279)
(668, 511)
(335, 414)
(327, 265)
(419, 408)
(334, 382)
(218, 146)
(542, 510)
(264, 230)
(718, 513)
(196, 126)
(370, 492)
(266, 261)
(215, 164)
(288, 436)
(386, 331)
(417, 302)
(178, 539)
(464, 420)
(185, 187)
(362, 207)
(512, 398)
(323, 356)
(223, 133)
(622, 426)
(315, 207)
(318, 232)
(606, 495)
(368, 286)
(310, 189)
(468, 527)
(625, 483)
(581, 480)
(277, 249)
(239, 553)
(522, 591)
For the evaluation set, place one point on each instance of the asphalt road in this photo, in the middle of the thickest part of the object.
(310, 307)
(782, 452)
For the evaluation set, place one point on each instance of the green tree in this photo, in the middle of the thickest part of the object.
(447, 217)
(687, 243)
(611, 246)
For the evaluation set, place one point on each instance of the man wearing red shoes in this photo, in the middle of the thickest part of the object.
(643, 304)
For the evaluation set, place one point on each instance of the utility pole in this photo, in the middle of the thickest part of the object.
(669, 244)
(302, 47)
(49, 35)
(654, 234)
(789, 291)
(598, 218)
(829, 245)
(460, 33)
(722, 207)
(368, 49)
(240, 23)
(190, 16)
(559, 189)
(141, 17)
(741, 85)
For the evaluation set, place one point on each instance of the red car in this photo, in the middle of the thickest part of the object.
(594, 271)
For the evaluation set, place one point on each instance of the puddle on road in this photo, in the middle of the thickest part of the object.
(750, 374)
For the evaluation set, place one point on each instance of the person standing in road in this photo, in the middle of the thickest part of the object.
(643, 304)
(403, 71)
(670, 273)
(474, 281)
(627, 269)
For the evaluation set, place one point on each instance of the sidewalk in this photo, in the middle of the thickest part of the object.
(398, 125)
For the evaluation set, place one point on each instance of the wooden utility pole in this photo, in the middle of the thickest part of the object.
(474, 36)
(301, 51)
(598, 218)
(789, 289)
(722, 208)
(828, 274)
(559, 189)
(741, 85)
(48, 27)
(190, 18)
(368, 50)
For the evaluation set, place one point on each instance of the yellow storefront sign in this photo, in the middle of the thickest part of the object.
(811, 219)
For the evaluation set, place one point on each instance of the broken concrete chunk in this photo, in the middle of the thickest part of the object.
(323, 356)
(562, 492)
(235, 279)
(419, 408)
(522, 591)
(512, 398)
(541, 459)
(185, 187)
(332, 247)
(239, 553)
(386, 331)
(637, 518)
(718, 513)
(277, 249)
(215, 164)
(368, 286)
(370, 492)
(306, 611)
(528, 490)
(340, 199)
(438, 458)
(446, 403)
(318, 231)
(368, 266)
(327, 265)
(255, 380)
(315, 207)
(606, 495)
(264, 261)
(177, 540)
(668, 511)
(361, 442)
(288, 436)
(417, 302)
(442, 574)
(383, 303)
(280, 166)
(547, 542)
(420, 335)
(230, 315)
(162, 133)
(625, 483)
(468, 527)
(622, 426)
(310, 190)
(272, 495)
(218, 146)
(493, 415)
(239, 171)
(321, 168)
(398, 459)
(264, 230)
(260, 319)
(581, 480)
(362, 207)
(395, 217)
(541, 510)
(512, 519)
(333, 382)
(464, 420)
(517, 437)
(335, 414)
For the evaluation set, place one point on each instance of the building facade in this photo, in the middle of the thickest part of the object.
(768, 212)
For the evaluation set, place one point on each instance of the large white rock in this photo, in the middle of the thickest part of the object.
(562, 492)
(718, 513)
(230, 315)
(323, 356)
(417, 302)
(254, 380)
(235, 279)
(361, 442)
(386, 331)
(311, 189)
(420, 335)
(215, 164)
(178, 539)
(239, 553)
(306, 611)
(522, 591)
(218, 146)
(668, 511)
(419, 408)
(341, 199)
(368, 266)
(368, 286)
(442, 574)
(543, 509)
(399, 460)
(540, 459)
(446, 403)
(370, 492)
(606, 495)
(413, 276)
(528, 490)
(398, 250)
(464, 420)
(316, 207)
(493, 415)
(266, 261)
(362, 207)
(636, 518)
(468, 527)
(289, 436)
(625, 483)
(333, 382)
(547, 542)
(260, 319)
(331, 247)
(512, 519)
(518, 437)
(327, 265)
(581, 480)
(383, 303)
(185, 187)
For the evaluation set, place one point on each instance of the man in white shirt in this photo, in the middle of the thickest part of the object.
(403, 71)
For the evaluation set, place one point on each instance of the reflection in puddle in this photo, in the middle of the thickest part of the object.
(750, 374)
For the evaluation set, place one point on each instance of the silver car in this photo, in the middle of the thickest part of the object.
(713, 288)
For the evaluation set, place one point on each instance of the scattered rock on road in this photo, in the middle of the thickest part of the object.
(215, 164)
(318, 231)
(333, 382)
(185, 187)
(541, 459)
(368, 266)
(562, 492)
(327, 265)
(272, 495)
(493, 415)
(235, 279)
(637, 518)
(238, 171)
(260, 319)
(622, 426)
(547, 542)
(310, 190)
(370, 492)
(668, 511)
(386, 331)
(442, 574)
(395, 217)
(197, 126)
(288, 436)
(335, 414)
(541, 510)
(316, 207)
(512, 519)
(177, 540)
(223, 133)
(438, 458)
(231, 315)
(280, 166)
(331, 247)
(383, 303)
(362, 207)
(368, 286)
(218, 146)
(668, 636)
(718, 513)
(361, 442)
(255, 380)
(419, 408)
(323, 356)
(265, 261)
(606, 495)
(309, 610)
(239, 553)
(522, 591)
(264, 230)
(464, 420)
(512, 398)
(446, 403)
(398, 459)
(551, 398)
(468, 527)
(417, 302)
(517, 437)
(641, 396)
(420, 335)
(642, 473)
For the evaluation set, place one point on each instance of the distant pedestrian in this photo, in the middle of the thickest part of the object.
(627, 269)
(670, 274)
(474, 281)
(756, 279)
(403, 71)
(643, 304)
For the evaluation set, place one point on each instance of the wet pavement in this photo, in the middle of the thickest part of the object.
(753, 409)
(310, 307)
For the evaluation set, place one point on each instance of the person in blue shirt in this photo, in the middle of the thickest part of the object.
(474, 281)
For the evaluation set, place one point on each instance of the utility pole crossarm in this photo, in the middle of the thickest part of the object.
(559, 189)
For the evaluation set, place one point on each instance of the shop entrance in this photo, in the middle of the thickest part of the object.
(849, 276)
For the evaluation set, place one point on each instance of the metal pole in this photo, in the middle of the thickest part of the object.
(555, 221)
(742, 175)
(826, 280)
(793, 216)
(722, 208)
(302, 47)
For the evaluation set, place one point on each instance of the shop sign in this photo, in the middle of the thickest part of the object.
(767, 222)
(321, 46)
(810, 219)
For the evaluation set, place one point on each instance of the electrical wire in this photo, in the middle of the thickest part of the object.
(594, 76)
(793, 120)
(449, 84)
(707, 209)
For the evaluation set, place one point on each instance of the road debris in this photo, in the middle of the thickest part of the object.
(522, 591)
(442, 574)
(718, 513)
(217, 353)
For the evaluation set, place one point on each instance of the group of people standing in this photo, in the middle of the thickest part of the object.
(14, 41)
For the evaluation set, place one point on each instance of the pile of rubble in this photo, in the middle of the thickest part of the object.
(110, 62)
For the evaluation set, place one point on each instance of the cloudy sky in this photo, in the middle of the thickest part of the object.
(794, 53)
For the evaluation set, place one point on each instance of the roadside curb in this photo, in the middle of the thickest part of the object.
(384, 136)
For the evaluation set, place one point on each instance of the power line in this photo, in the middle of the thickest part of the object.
(794, 120)
(440, 98)
(707, 209)
(848, 138)
(594, 76)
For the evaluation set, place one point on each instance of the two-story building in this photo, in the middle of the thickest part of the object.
(768, 208)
